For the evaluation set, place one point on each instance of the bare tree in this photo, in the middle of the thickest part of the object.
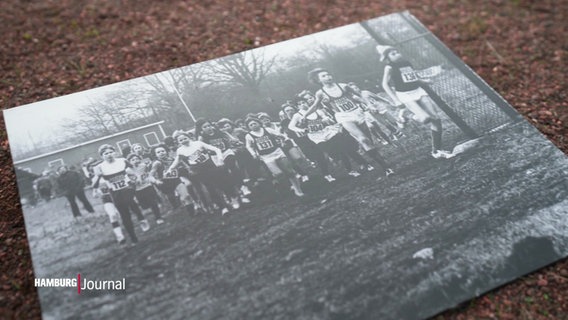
(173, 93)
(115, 112)
(247, 69)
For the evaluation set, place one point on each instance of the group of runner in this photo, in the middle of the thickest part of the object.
(212, 167)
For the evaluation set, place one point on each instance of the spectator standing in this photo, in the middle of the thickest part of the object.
(72, 185)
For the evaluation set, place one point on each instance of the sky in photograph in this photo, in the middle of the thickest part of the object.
(41, 122)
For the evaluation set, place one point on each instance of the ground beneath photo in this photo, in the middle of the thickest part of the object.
(407, 246)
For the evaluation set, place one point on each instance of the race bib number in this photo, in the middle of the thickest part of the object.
(264, 143)
(408, 74)
(198, 157)
(345, 104)
(118, 183)
(143, 179)
(172, 174)
(429, 72)
(314, 126)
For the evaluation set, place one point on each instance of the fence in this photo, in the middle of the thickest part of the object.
(465, 98)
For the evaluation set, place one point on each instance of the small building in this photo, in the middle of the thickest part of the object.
(148, 135)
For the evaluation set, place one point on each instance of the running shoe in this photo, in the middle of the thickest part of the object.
(121, 239)
(354, 174)
(329, 178)
(297, 192)
(235, 203)
(144, 225)
(245, 190)
(442, 154)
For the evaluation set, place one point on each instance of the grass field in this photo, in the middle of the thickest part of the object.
(345, 251)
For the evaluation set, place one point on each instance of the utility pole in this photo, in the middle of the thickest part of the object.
(184, 104)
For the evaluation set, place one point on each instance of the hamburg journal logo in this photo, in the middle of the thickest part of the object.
(81, 284)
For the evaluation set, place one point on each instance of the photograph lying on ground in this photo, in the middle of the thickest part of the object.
(362, 172)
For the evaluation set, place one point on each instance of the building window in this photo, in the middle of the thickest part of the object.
(151, 139)
(122, 144)
(54, 164)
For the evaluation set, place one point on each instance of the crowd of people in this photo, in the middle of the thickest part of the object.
(214, 166)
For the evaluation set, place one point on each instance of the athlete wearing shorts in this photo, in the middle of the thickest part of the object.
(344, 102)
(115, 172)
(408, 92)
(262, 143)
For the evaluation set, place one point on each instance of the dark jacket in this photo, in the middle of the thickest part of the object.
(71, 182)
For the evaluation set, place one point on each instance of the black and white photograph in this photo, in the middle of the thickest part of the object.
(363, 172)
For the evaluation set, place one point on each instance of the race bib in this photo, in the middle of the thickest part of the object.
(118, 183)
(314, 126)
(430, 72)
(143, 179)
(198, 157)
(172, 174)
(345, 104)
(408, 74)
(264, 143)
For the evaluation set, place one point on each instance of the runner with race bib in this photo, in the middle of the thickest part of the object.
(145, 193)
(328, 136)
(344, 102)
(195, 154)
(308, 147)
(227, 144)
(168, 180)
(115, 172)
(262, 144)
